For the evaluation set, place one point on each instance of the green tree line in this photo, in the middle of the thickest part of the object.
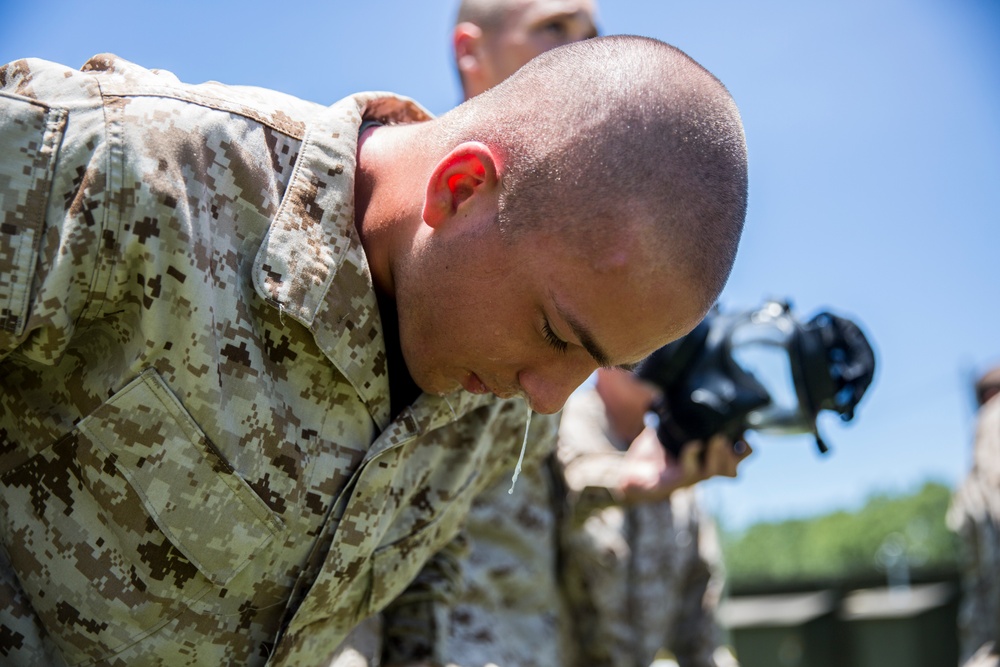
(891, 536)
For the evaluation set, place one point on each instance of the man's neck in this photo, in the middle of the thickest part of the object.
(365, 177)
(387, 196)
(402, 389)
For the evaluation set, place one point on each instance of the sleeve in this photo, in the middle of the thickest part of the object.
(362, 647)
(415, 623)
(492, 592)
(595, 548)
(587, 462)
(51, 190)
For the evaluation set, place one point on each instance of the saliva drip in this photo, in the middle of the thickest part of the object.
(524, 444)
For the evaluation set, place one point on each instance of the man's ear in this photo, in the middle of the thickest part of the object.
(470, 171)
(466, 40)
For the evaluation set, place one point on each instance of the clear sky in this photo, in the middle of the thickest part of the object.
(874, 135)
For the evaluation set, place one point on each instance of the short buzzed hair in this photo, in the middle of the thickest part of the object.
(619, 125)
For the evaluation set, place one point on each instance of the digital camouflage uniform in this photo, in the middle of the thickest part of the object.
(197, 460)
(508, 611)
(505, 612)
(636, 579)
(362, 647)
(975, 515)
(621, 585)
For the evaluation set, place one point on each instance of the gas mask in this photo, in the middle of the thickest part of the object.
(761, 370)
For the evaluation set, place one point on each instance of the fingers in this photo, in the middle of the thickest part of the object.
(692, 470)
(725, 455)
(648, 473)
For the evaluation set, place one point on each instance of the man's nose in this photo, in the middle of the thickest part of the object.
(548, 388)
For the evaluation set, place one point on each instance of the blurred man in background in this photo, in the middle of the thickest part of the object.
(600, 558)
(975, 515)
(640, 574)
(492, 39)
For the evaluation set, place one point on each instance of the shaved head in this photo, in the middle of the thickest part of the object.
(582, 213)
(617, 136)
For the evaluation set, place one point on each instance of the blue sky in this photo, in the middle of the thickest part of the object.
(874, 135)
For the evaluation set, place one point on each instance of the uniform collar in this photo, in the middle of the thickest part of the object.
(312, 266)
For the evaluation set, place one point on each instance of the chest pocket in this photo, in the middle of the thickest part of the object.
(126, 520)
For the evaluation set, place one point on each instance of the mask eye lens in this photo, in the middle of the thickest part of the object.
(759, 349)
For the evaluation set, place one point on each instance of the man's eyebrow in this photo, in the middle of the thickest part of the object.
(586, 339)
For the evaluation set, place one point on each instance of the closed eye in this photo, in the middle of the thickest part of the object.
(555, 341)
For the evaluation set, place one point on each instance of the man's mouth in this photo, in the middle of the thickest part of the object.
(472, 384)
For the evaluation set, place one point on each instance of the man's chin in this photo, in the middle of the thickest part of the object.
(436, 385)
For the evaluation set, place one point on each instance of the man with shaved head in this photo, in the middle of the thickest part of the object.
(510, 610)
(258, 355)
(652, 234)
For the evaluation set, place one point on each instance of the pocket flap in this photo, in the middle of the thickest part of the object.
(200, 503)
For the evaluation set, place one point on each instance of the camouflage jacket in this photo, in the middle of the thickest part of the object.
(507, 611)
(557, 575)
(197, 460)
